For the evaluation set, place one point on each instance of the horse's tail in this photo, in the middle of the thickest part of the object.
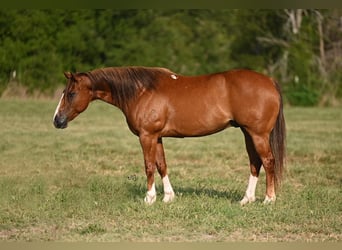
(278, 142)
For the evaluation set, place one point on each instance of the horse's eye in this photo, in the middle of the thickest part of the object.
(71, 95)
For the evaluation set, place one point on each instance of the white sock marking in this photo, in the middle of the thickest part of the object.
(168, 191)
(269, 200)
(250, 192)
(58, 106)
(151, 195)
(167, 184)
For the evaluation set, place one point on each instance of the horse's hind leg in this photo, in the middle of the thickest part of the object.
(255, 165)
(162, 169)
(262, 146)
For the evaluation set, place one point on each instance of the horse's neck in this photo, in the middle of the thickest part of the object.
(102, 92)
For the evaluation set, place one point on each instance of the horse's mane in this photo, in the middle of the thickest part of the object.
(126, 82)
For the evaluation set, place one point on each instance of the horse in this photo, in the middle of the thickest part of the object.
(157, 103)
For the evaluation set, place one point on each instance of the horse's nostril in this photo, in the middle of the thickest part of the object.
(60, 121)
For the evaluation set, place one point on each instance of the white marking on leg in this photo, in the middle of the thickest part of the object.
(58, 106)
(250, 192)
(251, 186)
(269, 200)
(151, 195)
(169, 195)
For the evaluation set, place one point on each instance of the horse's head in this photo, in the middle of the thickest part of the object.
(75, 99)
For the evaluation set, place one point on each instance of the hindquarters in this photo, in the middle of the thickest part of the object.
(257, 107)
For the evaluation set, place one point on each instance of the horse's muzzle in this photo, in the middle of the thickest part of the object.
(60, 121)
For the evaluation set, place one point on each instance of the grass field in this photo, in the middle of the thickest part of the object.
(87, 183)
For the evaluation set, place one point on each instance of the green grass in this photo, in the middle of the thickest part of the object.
(87, 183)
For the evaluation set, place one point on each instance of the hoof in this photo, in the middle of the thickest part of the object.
(247, 200)
(168, 197)
(149, 200)
(269, 200)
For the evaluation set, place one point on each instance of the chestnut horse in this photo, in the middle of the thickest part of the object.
(158, 103)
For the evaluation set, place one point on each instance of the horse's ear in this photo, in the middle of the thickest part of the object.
(68, 75)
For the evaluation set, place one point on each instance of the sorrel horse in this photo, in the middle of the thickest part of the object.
(158, 103)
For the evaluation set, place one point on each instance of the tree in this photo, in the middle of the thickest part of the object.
(300, 48)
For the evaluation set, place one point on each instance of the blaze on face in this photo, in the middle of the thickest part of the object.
(74, 100)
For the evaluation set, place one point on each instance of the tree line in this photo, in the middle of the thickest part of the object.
(302, 49)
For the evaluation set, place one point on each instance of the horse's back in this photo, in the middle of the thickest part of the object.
(201, 105)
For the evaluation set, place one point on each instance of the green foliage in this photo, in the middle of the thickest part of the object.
(303, 87)
(38, 45)
(249, 25)
(301, 95)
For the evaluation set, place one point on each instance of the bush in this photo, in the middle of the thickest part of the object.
(301, 95)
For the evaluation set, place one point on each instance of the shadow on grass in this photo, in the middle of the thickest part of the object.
(138, 190)
(233, 195)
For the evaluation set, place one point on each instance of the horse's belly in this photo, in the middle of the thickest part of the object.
(196, 124)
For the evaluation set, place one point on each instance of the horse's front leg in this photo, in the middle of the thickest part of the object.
(169, 194)
(149, 147)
